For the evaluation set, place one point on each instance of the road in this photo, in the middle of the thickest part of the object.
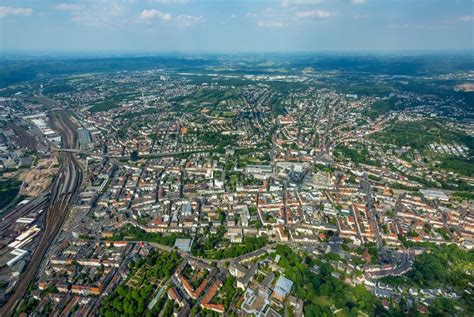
(64, 191)
(220, 263)
(365, 184)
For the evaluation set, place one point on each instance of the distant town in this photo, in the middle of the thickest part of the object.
(243, 186)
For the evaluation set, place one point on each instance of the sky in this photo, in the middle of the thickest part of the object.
(233, 26)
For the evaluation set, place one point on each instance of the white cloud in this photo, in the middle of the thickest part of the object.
(181, 20)
(184, 20)
(170, 1)
(103, 13)
(67, 6)
(10, 11)
(314, 14)
(272, 18)
(399, 26)
(466, 18)
(251, 15)
(152, 14)
(270, 24)
(286, 3)
(359, 1)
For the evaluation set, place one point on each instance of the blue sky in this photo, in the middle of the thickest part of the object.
(162, 26)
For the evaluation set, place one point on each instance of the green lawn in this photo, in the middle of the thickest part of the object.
(323, 301)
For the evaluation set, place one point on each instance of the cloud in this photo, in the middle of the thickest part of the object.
(272, 18)
(103, 13)
(466, 18)
(181, 20)
(314, 14)
(399, 26)
(67, 6)
(152, 14)
(10, 11)
(184, 20)
(251, 15)
(286, 3)
(270, 24)
(358, 1)
(170, 1)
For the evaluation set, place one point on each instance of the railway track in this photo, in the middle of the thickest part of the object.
(64, 191)
(39, 203)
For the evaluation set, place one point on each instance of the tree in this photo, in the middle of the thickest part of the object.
(134, 156)
(442, 307)
(168, 310)
(222, 217)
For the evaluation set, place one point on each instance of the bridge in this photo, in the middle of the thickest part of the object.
(150, 155)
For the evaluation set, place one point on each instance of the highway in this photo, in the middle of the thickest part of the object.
(64, 191)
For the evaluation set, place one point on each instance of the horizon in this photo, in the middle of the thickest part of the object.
(143, 54)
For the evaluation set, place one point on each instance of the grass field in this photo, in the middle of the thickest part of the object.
(323, 301)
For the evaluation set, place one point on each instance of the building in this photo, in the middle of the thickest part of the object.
(183, 245)
(85, 139)
(282, 288)
(235, 235)
(434, 195)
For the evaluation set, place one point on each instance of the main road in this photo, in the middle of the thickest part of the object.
(63, 193)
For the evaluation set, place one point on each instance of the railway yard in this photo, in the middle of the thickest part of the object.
(56, 203)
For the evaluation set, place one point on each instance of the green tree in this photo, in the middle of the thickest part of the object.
(134, 156)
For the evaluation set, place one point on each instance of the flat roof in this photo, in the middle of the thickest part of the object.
(283, 286)
(183, 244)
(434, 193)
